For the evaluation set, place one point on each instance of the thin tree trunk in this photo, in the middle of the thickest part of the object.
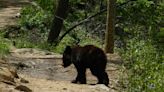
(59, 16)
(110, 26)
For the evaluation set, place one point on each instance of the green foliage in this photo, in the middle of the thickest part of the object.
(31, 17)
(143, 56)
(160, 35)
(66, 41)
(32, 39)
(139, 13)
(4, 46)
(26, 44)
(84, 38)
(35, 23)
(47, 5)
(145, 66)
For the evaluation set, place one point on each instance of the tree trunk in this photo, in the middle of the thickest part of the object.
(59, 16)
(110, 26)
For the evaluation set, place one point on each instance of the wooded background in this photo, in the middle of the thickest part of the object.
(132, 28)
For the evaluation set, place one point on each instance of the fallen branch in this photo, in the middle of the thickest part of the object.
(38, 57)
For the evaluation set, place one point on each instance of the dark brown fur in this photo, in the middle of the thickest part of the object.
(90, 57)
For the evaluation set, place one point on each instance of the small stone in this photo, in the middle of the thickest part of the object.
(64, 88)
(100, 87)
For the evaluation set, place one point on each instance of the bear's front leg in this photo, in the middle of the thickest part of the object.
(81, 76)
(103, 78)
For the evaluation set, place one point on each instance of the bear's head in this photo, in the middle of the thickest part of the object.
(67, 56)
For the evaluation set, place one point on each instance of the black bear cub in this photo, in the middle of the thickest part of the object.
(90, 57)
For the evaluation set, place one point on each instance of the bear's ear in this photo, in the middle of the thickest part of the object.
(68, 49)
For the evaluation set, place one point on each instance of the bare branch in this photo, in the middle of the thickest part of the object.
(86, 20)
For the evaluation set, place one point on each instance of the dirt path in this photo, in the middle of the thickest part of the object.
(9, 10)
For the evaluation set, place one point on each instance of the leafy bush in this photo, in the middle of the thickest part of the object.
(47, 5)
(35, 23)
(145, 66)
(4, 47)
(32, 17)
(32, 40)
(84, 38)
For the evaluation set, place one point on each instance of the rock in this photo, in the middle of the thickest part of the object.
(6, 67)
(64, 88)
(23, 88)
(2, 62)
(21, 65)
(18, 15)
(100, 87)
(6, 76)
(7, 73)
(24, 80)
(13, 72)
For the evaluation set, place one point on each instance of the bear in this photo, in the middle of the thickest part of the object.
(88, 56)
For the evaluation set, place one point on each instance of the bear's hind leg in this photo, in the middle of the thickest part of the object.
(101, 76)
